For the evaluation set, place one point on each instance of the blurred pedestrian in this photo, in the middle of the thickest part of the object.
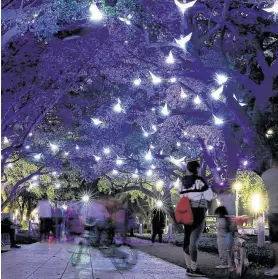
(57, 219)
(158, 224)
(45, 214)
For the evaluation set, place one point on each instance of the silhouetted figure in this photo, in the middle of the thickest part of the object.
(7, 227)
(158, 224)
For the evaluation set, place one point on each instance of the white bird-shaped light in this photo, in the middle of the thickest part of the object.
(183, 94)
(125, 20)
(117, 107)
(184, 6)
(240, 103)
(217, 93)
(165, 111)
(221, 79)
(177, 162)
(5, 141)
(177, 183)
(145, 133)
(273, 9)
(152, 147)
(155, 79)
(137, 81)
(97, 158)
(115, 172)
(170, 58)
(95, 12)
(149, 155)
(172, 79)
(217, 120)
(183, 40)
(106, 150)
(54, 147)
(96, 121)
(149, 172)
(161, 152)
(197, 100)
(135, 174)
(37, 156)
(154, 128)
(119, 162)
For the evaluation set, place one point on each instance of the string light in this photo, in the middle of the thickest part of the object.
(137, 82)
(5, 141)
(95, 12)
(218, 169)
(54, 147)
(149, 156)
(217, 121)
(117, 107)
(184, 6)
(170, 59)
(152, 147)
(217, 93)
(173, 80)
(183, 40)
(221, 79)
(125, 20)
(273, 9)
(97, 158)
(197, 100)
(155, 79)
(106, 150)
(37, 156)
(164, 110)
(96, 121)
(153, 109)
(66, 153)
(183, 94)
(30, 134)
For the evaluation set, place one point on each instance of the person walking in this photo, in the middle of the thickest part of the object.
(198, 193)
(7, 226)
(158, 224)
(57, 219)
(270, 179)
(45, 214)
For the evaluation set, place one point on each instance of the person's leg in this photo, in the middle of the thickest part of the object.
(222, 250)
(154, 234)
(160, 235)
(186, 242)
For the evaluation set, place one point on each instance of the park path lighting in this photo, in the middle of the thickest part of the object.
(159, 203)
(237, 187)
(85, 198)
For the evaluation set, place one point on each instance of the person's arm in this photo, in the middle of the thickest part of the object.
(200, 185)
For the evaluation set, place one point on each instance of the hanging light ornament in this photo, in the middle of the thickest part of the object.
(197, 100)
(149, 156)
(135, 174)
(170, 58)
(221, 79)
(152, 147)
(183, 40)
(172, 79)
(177, 162)
(115, 172)
(95, 12)
(165, 111)
(183, 94)
(117, 107)
(137, 81)
(217, 121)
(97, 158)
(177, 183)
(184, 6)
(273, 9)
(217, 93)
(77, 147)
(154, 128)
(37, 156)
(5, 141)
(96, 121)
(106, 150)
(126, 20)
(54, 147)
(149, 172)
(119, 161)
(153, 167)
(145, 133)
(155, 79)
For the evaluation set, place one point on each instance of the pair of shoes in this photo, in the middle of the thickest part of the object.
(272, 272)
(15, 246)
(195, 273)
(221, 266)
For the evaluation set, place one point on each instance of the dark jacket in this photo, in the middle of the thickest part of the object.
(158, 219)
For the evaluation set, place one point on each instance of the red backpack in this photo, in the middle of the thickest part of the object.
(183, 212)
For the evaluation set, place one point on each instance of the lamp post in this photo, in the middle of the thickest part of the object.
(237, 188)
(257, 207)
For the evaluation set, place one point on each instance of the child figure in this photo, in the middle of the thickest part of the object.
(224, 229)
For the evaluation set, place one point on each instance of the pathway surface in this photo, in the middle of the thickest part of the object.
(53, 261)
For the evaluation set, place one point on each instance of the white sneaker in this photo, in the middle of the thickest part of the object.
(221, 266)
(272, 272)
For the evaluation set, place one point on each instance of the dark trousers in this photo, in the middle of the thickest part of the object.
(45, 227)
(157, 231)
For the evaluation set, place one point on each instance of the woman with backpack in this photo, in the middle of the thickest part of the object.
(199, 193)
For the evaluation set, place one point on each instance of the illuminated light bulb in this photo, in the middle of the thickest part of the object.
(57, 185)
(96, 121)
(37, 156)
(245, 163)
(177, 162)
(197, 100)
(154, 128)
(159, 184)
(170, 59)
(217, 93)
(66, 153)
(125, 20)
(217, 121)
(54, 147)
(95, 12)
(210, 147)
(183, 40)
(173, 80)
(27, 147)
(149, 173)
(148, 156)
(152, 147)
(183, 94)
(159, 203)
(86, 198)
(97, 158)
(177, 184)
(137, 82)
(164, 110)
(221, 79)
(117, 107)
(155, 79)
(77, 147)
(145, 133)
(218, 169)
(184, 6)
(5, 141)
(153, 167)
(135, 174)
(178, 144)
(273, 9)
(115, 172)
(54, 173)
(106, 150)
(119, 162)
(35, 177)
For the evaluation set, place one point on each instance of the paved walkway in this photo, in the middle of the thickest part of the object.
(53, 261)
